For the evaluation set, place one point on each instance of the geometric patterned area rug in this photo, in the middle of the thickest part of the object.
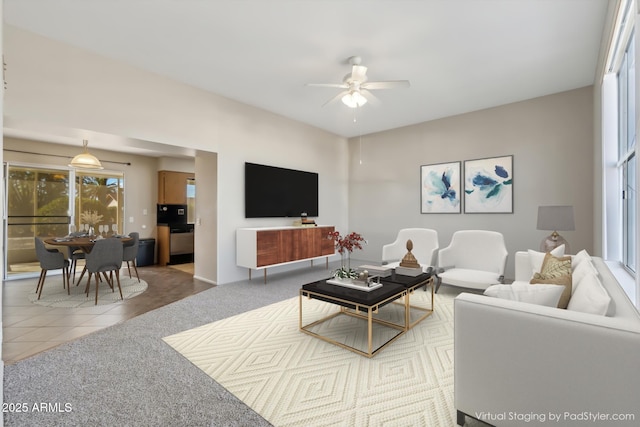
(53, 295)
(293, 379)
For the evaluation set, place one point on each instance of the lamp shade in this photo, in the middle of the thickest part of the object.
(354, 99)
(555, 218)
(85, 160)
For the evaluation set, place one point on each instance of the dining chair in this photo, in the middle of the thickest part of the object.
(75, 253)
(51, 259)
(130, 252)
(106, 256)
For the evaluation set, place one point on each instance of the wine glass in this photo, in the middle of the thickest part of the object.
(101, 229)
(114, 227)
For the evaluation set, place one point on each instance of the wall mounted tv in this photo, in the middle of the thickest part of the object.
(271, 192)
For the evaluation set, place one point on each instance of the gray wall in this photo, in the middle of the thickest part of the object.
(141, 194)
(551, 139)
(59, 89)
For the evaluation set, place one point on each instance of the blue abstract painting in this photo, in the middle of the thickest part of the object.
(488, 185)
(440, 188)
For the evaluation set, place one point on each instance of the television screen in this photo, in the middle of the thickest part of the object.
(278, 192)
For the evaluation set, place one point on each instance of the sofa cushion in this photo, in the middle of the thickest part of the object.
(556, 271)
(537, 258)
(582, 269)
(547, 295)
(578, 258)
(467, 278)
(590, 296)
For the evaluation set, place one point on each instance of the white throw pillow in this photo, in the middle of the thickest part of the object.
(536, 258)
(584, 268)
(579, 257)
(590, 296)
(548, 295)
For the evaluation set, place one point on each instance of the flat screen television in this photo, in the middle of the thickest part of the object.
(271, 192)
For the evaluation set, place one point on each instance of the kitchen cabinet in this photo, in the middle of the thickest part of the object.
(172, 187)
(259, 248)
(164, 241)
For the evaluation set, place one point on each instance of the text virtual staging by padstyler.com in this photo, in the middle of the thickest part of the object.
(554, 417)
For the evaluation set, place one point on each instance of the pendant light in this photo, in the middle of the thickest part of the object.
(85, 160)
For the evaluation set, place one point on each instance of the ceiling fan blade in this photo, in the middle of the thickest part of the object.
(335, 98)
(340, 85)
(389, 84)
(371, 98)
(359, 73)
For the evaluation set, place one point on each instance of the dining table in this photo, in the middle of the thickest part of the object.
(85, 243)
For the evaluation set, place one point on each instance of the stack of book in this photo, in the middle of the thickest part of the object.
(376, 270)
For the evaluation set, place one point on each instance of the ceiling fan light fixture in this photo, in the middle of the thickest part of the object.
(354, 99)
(85, 160)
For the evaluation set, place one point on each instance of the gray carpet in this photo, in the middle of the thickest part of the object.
(126, 375)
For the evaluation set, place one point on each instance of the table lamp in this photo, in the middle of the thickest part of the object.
(555, 218)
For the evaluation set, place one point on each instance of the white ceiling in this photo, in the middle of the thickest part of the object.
(459, 55)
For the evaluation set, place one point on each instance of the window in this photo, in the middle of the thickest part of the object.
(191, 200)
(102, 193)
(626, 153)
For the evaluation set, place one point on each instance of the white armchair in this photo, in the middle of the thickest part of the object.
(474, 259)
(425, 247)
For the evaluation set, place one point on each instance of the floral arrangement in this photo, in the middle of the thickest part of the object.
(345, 245)
(91, 218)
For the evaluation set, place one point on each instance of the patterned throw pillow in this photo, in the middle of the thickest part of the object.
(556, 271)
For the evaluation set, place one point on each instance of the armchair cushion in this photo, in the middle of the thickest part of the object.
(468, 278)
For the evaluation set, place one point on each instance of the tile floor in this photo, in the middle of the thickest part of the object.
(29, 329)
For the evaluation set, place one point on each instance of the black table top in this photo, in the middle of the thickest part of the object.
(370, 298)
(406, 281)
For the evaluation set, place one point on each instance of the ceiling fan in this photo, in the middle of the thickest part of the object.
(357, 87)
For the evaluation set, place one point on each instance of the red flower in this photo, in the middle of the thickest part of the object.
(348, 243)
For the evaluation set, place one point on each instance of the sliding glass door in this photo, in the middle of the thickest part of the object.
(101, 193)
(40, 201)
(37, 204)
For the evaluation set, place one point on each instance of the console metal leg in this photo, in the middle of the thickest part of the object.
(460, 418)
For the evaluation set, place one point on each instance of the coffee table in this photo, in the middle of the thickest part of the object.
(412, 284)
(358, 304)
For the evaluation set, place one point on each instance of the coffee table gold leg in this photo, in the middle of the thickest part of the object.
(370, 332)
(407, 312)
(300, 311)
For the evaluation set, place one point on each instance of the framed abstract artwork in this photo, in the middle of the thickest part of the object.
(440, 188)
(488, 185)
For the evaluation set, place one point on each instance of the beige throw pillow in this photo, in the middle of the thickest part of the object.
(556, 271)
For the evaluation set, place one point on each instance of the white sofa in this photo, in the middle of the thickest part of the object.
(518, 363)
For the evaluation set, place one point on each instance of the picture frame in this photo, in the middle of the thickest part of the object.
(488, 185)
(440, 188)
